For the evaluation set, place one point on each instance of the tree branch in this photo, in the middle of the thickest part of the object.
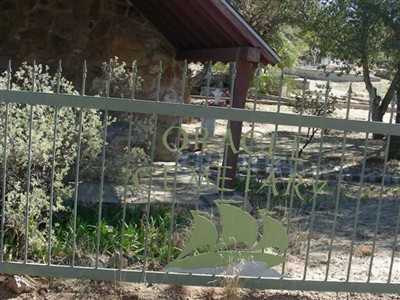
(390, 93)
(194, 80)
(366, 75)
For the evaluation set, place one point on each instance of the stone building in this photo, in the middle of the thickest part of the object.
(74, 31)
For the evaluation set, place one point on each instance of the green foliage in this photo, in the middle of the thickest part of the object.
(41, 156)
(289, 40)
(390, 14)
(358, 33)
(267, 16)
(121, 80)
(269, 82)
(134, 239)
(361, 34)
(117, 169)
(280, 23)
(220, 68)
(44, 82)
(354, 31)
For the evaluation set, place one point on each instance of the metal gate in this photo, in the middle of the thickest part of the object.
(319, 175)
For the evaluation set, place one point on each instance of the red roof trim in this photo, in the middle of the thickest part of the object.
(221, 54)
(204, 24)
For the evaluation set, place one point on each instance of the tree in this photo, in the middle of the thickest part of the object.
(362, 33)
(391, 19)
(277, 22)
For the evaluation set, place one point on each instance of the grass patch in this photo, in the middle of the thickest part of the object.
(116, 235)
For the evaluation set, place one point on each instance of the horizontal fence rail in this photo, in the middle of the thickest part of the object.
(185, 110)
(114, 187)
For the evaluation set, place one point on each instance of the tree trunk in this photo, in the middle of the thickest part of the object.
(380, 106)
(376, 111)
(194, 80)
(376, 115)
(189, 85)
(394, 147)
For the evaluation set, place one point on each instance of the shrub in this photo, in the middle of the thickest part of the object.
(41, 157)
(121, 85)
(121, 80)
(313, 103)
(270, 81)
(220, 68)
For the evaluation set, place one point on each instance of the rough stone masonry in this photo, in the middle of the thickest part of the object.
(92, 30)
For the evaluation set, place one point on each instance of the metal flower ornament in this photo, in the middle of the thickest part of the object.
(238, 239)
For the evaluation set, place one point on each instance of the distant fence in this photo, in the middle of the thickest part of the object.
(337, 197)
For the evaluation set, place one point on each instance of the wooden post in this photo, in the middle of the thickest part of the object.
(244, 73)
(246, 60)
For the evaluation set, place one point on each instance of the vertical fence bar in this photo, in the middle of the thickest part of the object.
(152, 153)
(338, 192)
(314, 202)
(228, 129)
(233, 80)
(128, 161)
(171, 228)
(395, 242)
(379, 212)
(77, 166)
(5, 157)
(28, 184)
(146, 249)
(256, 95)
(295, 156)
(360, 190)
(53, 165)
(248, 168)
(204, 131)
(273, 138)
(103, 165)
(396, 232)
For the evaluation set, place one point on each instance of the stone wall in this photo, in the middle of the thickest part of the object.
(92, 30)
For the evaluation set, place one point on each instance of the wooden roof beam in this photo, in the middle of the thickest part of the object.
(247, 54)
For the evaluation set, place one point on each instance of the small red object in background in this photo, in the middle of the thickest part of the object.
(221, 103)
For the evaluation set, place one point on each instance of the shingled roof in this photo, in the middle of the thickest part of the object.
(203, 30)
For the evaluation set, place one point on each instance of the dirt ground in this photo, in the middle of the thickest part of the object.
(80, 289)
(346, 198)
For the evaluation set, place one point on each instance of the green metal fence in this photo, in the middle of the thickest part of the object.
(317, 174)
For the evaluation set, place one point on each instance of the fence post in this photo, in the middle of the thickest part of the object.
(245, 71)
